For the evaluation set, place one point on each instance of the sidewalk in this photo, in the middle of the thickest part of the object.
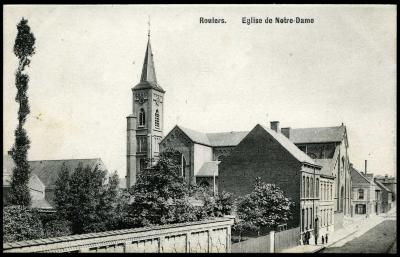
(304, 249)
(355, 227)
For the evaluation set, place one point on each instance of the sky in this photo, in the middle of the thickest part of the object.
(217, 77)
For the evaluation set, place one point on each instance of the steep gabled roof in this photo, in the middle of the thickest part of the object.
(317, 135)
(47, 170)
(195, 136)
(357, 177)
(289, 146)
(382, 186)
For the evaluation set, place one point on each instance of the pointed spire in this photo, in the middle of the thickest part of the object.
(148, 71)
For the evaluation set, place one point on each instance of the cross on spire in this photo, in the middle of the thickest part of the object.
(148, 32)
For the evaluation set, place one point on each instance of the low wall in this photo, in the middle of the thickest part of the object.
(209, 236)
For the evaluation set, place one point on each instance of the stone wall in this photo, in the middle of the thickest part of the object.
(210, 236)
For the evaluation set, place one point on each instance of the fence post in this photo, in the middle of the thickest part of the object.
(272, 242)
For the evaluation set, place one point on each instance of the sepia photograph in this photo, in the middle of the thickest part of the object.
(199, 128)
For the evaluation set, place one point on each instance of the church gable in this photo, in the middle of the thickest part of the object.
(175, 138)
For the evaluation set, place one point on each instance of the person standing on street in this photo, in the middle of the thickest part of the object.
(326, 238)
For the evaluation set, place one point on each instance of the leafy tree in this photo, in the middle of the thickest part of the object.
(21, 223)
(265, 206)
(23, 49)
(87, 200)
(62, 197)
(223, 204)
(161, 195)
(108, 202)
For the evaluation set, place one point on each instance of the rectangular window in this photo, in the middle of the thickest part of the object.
(360, 194)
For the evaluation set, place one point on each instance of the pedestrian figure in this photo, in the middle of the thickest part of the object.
(322, 239)
(316, 239)
(308, 237)
(326, 238)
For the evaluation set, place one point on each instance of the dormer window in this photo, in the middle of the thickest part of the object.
(157, 119)
(142, 118)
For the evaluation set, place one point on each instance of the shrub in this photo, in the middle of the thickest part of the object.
(223, 204)
(57, 227)
(21, 223)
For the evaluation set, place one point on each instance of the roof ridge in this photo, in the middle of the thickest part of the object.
(319, 127)
(359, 173)
(227, 132)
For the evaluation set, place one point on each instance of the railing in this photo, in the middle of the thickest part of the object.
(207, 236)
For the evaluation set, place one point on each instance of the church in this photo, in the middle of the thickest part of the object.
(203, 153)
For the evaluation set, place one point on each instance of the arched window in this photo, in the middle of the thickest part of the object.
(307, 187)
(306, 218)
(317, 184)
(304, 187)
(302, 219)
(312, 187)
(157, 119)
(142, 117)
(360, 193)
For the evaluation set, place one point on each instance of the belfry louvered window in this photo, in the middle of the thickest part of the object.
(142, 118)
(157, 119)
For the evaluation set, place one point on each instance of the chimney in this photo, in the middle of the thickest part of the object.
(365, 167)
(386, 178)
(275, 126)
(286, 131)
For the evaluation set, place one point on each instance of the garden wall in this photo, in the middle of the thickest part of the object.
(210, 236)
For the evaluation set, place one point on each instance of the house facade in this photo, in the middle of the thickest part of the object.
(390, 183)
(386, 197)
(366, 195)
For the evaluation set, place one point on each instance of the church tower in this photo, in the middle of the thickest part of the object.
(145, 124)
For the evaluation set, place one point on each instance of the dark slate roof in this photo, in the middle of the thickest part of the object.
(232, 138)
(382, 186)
(327, 166)
(208, 169)
(297, 136)
(47, 170)
(317, 135)
(148, 78)
(289, 146)
(357, 177)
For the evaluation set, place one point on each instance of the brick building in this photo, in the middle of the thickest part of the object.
(266, 153)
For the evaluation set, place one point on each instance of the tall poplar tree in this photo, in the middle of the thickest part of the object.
(23, 49)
